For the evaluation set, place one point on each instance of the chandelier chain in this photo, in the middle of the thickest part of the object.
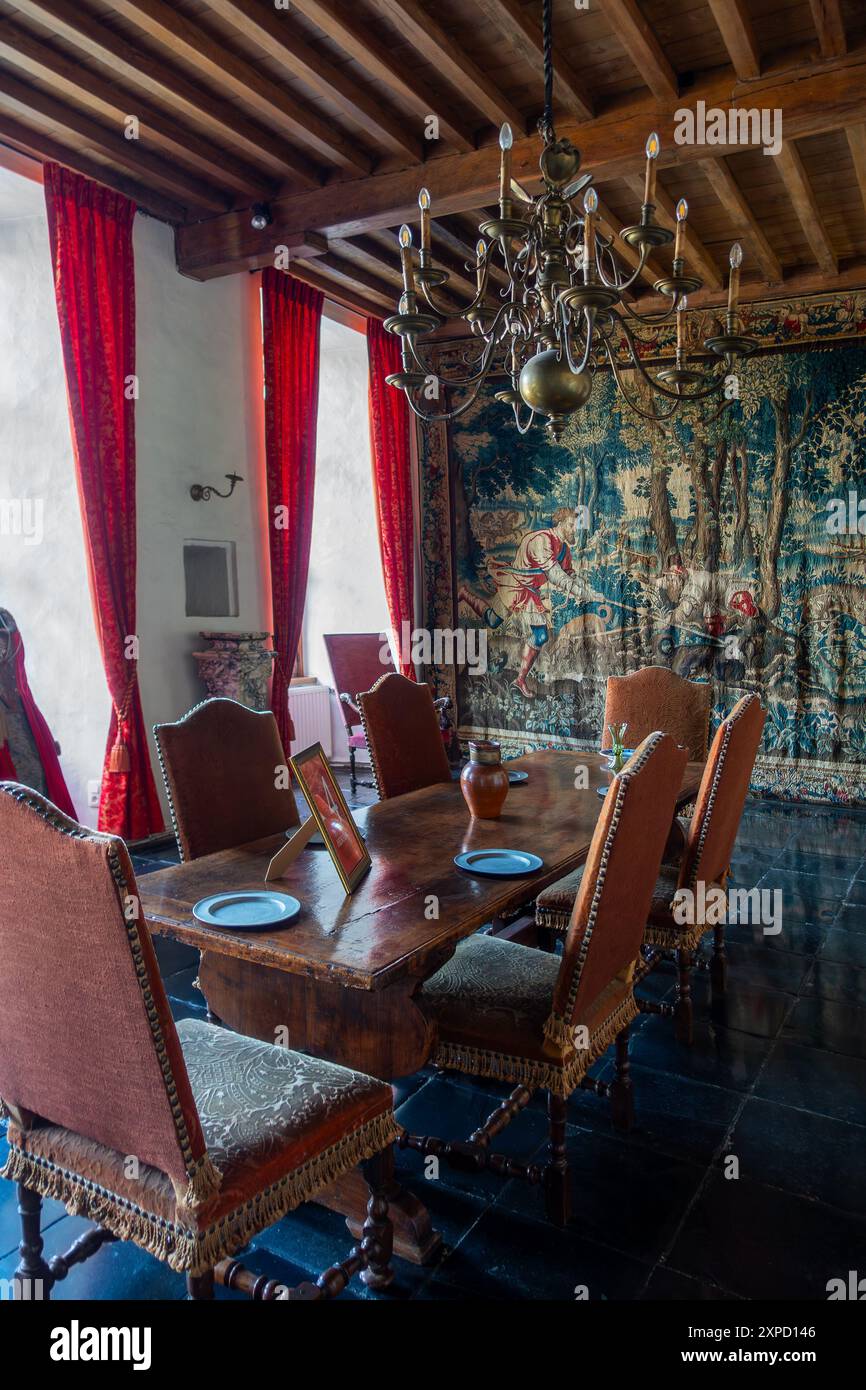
(545, 125)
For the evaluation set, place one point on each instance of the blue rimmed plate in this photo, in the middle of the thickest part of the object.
(251, 911)
(516, 775)
(499, 863)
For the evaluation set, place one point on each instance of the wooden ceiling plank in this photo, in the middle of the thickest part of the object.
(356, 41)
(43, 147)
(731, 197)
(169, 85)
(795, 179)
(232, 73)
(380, 258)
(857, 145)
(738, 36)
(827, 17)
(428, 38)
(445, 257)
(519, 28)
(336, 291)
(92, 136)
(697, 256)
(268, 28)
(812, 101)
(636, 35)
(85, 87)
(355, 276)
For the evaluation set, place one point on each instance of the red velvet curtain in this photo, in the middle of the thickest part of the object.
(392, 484)
(91, 249)
(291, 316)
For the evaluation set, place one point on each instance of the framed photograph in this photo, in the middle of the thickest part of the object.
(332, 816)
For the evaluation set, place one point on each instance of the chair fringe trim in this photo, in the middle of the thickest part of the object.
(523, 1071)
(203, 1182)
(185, 1250)
(674, 938)
(4, 1113)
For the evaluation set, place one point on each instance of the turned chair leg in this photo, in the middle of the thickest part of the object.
(200, 1286)
(719, 964)
(622, 1087)
(683, 1010)
(353, 776)
(378, 1235)
(33, 1278)
(556, 1186)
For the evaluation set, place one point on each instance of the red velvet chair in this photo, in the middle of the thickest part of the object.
(186, 1140)
(356, 665)
(403, 736)
(656, 698)
(529, 1018)
(221, 763)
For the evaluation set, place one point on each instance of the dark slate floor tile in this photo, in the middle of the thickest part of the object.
(809, 1155)
(851, 918)
(803, 860)
(751, 964)
(746, 1007)
(117, 1271)
(680, 1117)
(667, 1284)
(857, 893)
(10, 1225)
(828, 1083)
(766, 1244)
(514, 1257)
(829, 1024)
(832, 835)
(797, 937)
(832, 980)
(847, 948)
(180, 987)
(146, 864)
(805, 898)
(626, 1195)
(173, 955)
(719, 1056)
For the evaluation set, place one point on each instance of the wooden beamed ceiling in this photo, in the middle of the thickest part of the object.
(335, 112)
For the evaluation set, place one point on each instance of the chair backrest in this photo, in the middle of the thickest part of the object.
(611, 910)
(722, 794)
(403, 736)
(226, 774)
(87, 1040)
(356, 665)
(656, 698)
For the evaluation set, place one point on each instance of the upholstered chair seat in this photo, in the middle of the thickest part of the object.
(278, 1127)
(491, 1002)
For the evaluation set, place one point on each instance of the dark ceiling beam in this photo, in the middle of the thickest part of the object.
(827, 18)
(428, 38)
(166, 83)
(354, 38)
(738, 36)
(272, 30)
(729, 194)
(637, 37)
(516, 25)
(812, 101)
(790, 166)
(697, 256)
(84, 87)
(857, 145)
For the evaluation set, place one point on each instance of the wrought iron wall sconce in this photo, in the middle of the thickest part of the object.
(201, 493)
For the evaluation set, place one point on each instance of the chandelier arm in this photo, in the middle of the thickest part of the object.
(460, 381)
(522, 429)
(566, 339)
(653, 414)
(476, 303)
(652, 320)
(715, 383)
(620, 285)
(448, 414)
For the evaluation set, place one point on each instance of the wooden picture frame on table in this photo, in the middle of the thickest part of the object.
(333, 818)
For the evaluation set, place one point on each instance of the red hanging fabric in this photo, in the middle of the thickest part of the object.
(392, 485)
(291, 316)
(91, 250)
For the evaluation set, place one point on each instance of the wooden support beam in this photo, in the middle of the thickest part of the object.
(38, 145)
(857, 145)
(728, 192)
(637, 37)
(735, 27)
(697, 256)
(233, 74)
(516, 24)
(790, 166)
(79, 131)
(356, 41)
(812, 101)
(827, 18)
(355, 277)
(428, 38)
(272, 30)
(170, 86)
(338, 292)
(70, 80)
(377, 253)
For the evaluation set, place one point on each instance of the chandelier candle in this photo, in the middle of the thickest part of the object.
(735, 260)
(653, 145)
(682, 214)
(506, 140)
(590, 206)
(405, 239)
(424, 205)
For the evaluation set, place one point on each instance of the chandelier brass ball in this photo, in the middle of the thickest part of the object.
(549, 387)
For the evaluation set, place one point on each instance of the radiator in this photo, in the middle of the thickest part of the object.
(310, 708)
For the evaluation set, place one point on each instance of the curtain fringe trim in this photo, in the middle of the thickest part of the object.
(189, 1251)
(524, 1071)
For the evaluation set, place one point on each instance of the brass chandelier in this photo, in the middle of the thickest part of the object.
(562, 313)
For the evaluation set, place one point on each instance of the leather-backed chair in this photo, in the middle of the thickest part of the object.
(656, 698)
(706, 855)
(523, 1016)
(356, 664)
(186, 1140)
(226, 774)
(403, 736)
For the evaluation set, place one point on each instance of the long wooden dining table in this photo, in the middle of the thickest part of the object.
(339, 982)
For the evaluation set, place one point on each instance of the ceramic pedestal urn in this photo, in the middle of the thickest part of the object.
(484, 781)
(237, 666)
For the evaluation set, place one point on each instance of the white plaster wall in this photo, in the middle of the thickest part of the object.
(45, 585)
